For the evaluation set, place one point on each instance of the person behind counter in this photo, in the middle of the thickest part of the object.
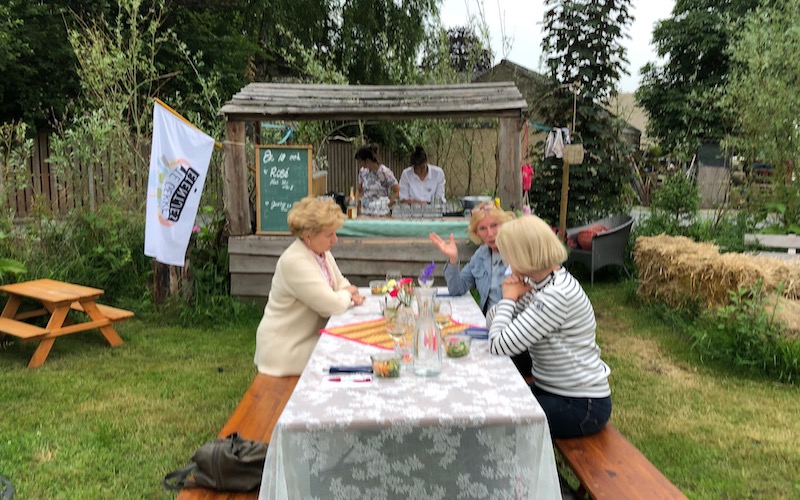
(307, 289)
(545, 313)
(486, 269)
(421, 183)
(375, 180)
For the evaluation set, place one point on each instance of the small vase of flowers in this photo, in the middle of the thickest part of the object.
(402, 290)
(426, 276)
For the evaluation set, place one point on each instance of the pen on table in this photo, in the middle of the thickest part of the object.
(349, 369)
(339, 379)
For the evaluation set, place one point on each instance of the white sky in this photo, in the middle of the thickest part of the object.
(522, 23)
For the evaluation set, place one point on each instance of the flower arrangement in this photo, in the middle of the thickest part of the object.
(426, 276)
(402, 290)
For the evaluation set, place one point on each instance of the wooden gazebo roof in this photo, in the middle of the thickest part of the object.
(285, 101)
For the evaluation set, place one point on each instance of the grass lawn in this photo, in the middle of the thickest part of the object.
(102, 422)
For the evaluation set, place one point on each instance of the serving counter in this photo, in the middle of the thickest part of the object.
(387, 227)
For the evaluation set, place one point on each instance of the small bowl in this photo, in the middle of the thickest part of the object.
(378, 287)
(386, 365)
(457, 346)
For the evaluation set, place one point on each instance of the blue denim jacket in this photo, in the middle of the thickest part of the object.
(476, 274)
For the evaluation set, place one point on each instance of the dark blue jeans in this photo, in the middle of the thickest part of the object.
(573, 417)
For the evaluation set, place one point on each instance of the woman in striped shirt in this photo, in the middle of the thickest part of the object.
(545, 312)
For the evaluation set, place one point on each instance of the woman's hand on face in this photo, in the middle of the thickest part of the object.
(448, 248)
(514, 287)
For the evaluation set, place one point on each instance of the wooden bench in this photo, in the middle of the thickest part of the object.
(254, 418)
(114, 314)
(24, 331)
(609, 466)
(789, 243)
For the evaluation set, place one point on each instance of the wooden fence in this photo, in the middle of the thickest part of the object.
(40, 188)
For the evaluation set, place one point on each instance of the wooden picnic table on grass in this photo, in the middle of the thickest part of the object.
(57, 299)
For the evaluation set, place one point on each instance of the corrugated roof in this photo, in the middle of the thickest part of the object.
(284, 101)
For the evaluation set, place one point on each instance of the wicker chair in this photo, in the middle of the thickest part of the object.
(608, 248)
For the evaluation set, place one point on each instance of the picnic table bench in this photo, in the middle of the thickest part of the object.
(609, 466)
(57, 299)
(254, 418)
(789, 243)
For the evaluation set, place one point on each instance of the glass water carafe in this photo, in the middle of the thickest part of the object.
(427, 339)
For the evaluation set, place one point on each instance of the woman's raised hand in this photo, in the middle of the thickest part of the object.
(449, 248)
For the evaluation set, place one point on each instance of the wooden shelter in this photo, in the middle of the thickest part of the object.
(280, 101)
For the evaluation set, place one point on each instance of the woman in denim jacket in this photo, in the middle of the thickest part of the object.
(486, 270)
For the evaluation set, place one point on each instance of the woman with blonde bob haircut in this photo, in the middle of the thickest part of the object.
(307, 289)
(545, 314)
(531, 245)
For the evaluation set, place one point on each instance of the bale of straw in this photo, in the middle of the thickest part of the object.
(681, 272)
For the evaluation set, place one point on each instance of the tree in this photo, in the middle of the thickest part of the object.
(231, 42)
(584, 55)
(583, 43)
(681, 96)
(39, 81)
(378, 41)
(763, 100)
(468, 53)
(456, 55)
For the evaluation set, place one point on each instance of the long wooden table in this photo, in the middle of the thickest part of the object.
(474, 428)
(57, 299)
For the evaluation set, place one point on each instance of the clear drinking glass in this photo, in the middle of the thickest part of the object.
(394, 274)
(442, 311)
(406, 321)
(399, 321)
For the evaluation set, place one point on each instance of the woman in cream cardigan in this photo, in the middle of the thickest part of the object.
(307, 289)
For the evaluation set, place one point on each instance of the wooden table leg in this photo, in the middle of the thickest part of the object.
(12, 305)
(10, 310)
(41, 353)
(108, 331)
(57, 318)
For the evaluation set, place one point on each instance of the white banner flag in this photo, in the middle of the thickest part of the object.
(179, 161)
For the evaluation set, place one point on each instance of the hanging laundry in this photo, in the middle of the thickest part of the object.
(556, 139)
(527, 177)
(565, 134)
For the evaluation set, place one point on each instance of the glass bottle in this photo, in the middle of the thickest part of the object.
(427, 338)
(352, 206)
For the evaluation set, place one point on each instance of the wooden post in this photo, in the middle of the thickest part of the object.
(236, 197)
(169, 281)
(509, 176)
(562, 219)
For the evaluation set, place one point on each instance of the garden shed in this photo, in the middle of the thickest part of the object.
(253, 257)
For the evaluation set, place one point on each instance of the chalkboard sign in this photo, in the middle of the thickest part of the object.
(284, 177)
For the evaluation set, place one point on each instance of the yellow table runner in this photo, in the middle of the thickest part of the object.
(374, 332)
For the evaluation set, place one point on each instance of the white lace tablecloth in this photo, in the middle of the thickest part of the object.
(473, 432)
